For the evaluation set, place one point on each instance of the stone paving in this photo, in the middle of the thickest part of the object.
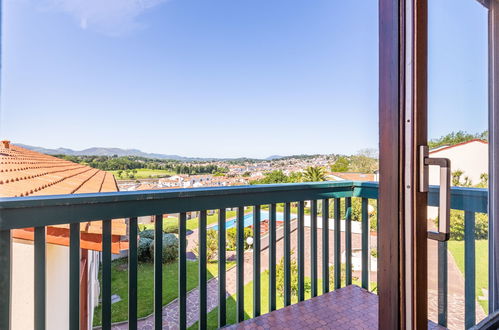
(170, 311)
(346, 308)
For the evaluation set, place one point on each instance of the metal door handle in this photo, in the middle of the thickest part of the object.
(443, 233)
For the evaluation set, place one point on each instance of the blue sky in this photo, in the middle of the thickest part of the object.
(222, 78)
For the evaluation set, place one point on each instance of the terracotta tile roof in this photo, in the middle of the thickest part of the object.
(351, 176)
(25, 172)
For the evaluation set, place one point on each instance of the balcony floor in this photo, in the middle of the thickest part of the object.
(347, 308)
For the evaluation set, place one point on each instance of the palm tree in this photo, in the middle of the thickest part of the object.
(314, 174)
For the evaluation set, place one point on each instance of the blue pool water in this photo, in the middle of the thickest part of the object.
(248, 220)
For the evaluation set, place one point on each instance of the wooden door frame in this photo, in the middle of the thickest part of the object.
(402, 268)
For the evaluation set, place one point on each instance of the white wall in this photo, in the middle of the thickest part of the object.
(57, 287)
(57, 302)
(93, 284)
(471, 158)
(22, 285)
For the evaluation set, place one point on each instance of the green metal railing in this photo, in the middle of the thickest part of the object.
(43, 211)
(471, 201)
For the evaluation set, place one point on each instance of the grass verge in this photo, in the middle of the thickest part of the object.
(456, 248)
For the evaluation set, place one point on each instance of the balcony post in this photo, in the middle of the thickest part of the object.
(5, 278)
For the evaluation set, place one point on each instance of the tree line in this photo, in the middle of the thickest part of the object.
(124, 163)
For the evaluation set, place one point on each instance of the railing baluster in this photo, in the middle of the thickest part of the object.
(182, 271)
(469, 269)
(202, 271)
(222, 317)
(240, 264)
(325, 245)
(74, 276)
(301, 252)
(106, 274)
(132, 274)
(256, 261)
(337, 243)
(158, 272)
(313, 247)
(365, 244)
(5, 278)
(40, 275)
(348, 240)
(272, 258)
(442, 284)
(287, 254)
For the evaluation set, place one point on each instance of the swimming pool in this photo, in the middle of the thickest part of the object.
(248, 220)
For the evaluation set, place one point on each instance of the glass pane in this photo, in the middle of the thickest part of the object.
(458, 123)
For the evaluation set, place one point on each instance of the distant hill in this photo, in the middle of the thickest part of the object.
(273, 157)
(99, 151)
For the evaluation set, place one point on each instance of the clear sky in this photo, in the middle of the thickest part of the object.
(222, 78)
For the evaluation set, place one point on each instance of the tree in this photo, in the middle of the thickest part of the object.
(314, 174)
(365, 161)
(295, 177)
(342, 164)
(454, 138)
(119, 173)
(276, 176)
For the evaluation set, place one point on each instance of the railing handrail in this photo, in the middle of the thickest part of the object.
(25, 212)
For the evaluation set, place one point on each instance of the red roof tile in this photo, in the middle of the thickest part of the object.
(25, 172)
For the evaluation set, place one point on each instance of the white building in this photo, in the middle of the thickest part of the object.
(472, 158)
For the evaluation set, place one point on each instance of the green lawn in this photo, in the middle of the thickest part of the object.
(456, 248)
(119, 286)
(248, 301)
(192, 223)
(143, 173)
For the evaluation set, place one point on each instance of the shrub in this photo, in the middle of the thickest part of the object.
(211, 244)
(171, 228)
(343, 275)
(356, 214)
(149, 233)
(170, 248)
(280, 276)
(457, 225)
(294, 277)
(143, 253)
(232, 238)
